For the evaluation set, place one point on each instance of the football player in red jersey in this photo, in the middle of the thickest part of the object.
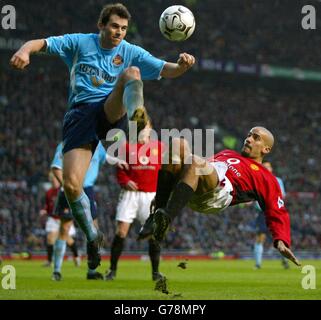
(53, 222)
(209, 186)
(138, 181)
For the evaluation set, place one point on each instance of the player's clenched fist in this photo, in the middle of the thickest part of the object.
(186, 60)
(20, 59)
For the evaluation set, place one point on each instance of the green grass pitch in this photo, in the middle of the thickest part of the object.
(206, 280)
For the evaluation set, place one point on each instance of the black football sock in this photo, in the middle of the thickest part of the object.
(49, 252)
(154, 254)
(165, 183)
(116, 250)
(178, 199)
(74, 249)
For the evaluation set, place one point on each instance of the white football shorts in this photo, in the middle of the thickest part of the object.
(53, 225)
(134, 205)
(217, 200)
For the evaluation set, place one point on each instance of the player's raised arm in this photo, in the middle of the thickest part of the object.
(174, 70)
(22, 57)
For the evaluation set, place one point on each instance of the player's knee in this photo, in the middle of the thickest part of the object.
(51, 239)
(131, 73)
(64, 231)
(195, 165)
(197, 161)
(122, 230)
(192, 162)
(72, 187)
(121, 233)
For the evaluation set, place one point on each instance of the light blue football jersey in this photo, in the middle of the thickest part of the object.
(95, 70)
(97, 160)
(281, 184)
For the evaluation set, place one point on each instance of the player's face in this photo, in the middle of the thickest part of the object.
(114, 31)
(254, 146)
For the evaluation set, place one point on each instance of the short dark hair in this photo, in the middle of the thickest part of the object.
(115, 8)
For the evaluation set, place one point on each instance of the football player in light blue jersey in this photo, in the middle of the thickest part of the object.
(63, 211)
(262, 229)
(106, 87)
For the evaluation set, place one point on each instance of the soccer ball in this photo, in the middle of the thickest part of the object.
(177, 23)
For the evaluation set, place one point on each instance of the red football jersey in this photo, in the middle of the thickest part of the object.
(144, 163)
(51, 196)
(252, 181)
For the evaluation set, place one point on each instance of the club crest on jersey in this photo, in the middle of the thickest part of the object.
(118, 60)
(280, 203)
(143, 160)
(96, 82)
(254, 167)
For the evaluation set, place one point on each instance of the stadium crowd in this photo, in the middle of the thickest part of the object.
(32, 104)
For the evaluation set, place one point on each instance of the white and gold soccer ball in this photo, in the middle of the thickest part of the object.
(177, 23)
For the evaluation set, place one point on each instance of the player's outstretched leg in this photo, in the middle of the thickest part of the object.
(133, 96)
(147, 229)
(126, 96)
(193, 172)
(162, 221)
(171, 196)
(178, 199)
(166, 181)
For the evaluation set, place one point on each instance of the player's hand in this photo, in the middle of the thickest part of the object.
(123, 165)
(131, 186)
(287, 253)
(185, 61)
(20, 59)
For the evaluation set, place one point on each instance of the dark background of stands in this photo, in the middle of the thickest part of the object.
(32, 104)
